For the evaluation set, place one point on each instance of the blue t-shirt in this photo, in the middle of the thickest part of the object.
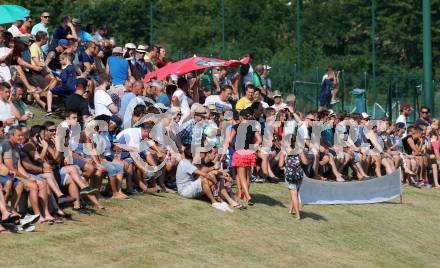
(85, 38)
(126, 99)
(59, 33)
(68, 76)
(84, 57)
(118, 69)
(164, 100)
(26, 56)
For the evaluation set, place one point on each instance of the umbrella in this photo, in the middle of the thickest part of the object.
(12, 13)
(192, 64)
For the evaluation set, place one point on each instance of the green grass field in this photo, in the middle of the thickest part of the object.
(165, 230)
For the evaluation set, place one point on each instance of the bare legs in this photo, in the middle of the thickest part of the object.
(243, 174)
(294, 204)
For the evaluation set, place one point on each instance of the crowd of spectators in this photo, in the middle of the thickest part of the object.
(121, 136)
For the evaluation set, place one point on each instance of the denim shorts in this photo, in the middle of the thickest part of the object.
(113, 169)
(79, 162)
(5, 179)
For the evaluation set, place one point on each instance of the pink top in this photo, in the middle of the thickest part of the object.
(435, 145)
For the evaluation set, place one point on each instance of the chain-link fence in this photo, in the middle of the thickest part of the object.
(390, 92)
(385, 100)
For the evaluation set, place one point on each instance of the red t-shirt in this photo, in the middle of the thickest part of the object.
(23, 30)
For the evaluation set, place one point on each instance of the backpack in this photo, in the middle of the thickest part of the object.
(293, 172)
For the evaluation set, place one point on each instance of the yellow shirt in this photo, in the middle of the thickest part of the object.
(242, 103)
(36, 52)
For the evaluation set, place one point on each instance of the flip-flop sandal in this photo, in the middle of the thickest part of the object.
(58, 220)
(10, 219)
(239, 206)
(5, 231)
(49, 222)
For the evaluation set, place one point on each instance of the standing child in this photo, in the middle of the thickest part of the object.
(293, 173)
(68, 81)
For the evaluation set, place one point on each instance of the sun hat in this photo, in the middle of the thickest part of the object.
(200, 110)
(130, 46)
(117, 50)
(142, 49)
(277, 93)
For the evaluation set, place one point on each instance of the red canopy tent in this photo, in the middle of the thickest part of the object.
(192, 64)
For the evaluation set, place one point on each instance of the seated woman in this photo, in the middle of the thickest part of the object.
(411, 151)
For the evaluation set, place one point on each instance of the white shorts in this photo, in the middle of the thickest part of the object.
(192, 190)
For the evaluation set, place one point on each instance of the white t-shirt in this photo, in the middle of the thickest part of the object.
(215, 99)
(6, 113)
(303, 132)
(15, 31)
(265, 105)
(184, 174)
(102, 100)
(249, 77)
(279, 107)
(402, 119)
(130, 137)
(183, 103)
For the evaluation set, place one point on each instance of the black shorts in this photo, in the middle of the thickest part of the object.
(38, 79)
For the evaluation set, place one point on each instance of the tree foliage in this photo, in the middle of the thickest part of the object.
(336, 32)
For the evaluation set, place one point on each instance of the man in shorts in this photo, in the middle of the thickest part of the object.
(194, 183)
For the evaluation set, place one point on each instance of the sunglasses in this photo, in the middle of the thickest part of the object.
(425, 112)
(46, 17)
(52, 130)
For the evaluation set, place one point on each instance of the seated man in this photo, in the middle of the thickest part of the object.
(97, 143)
(194, 183)
(210, 164)
(132, 142)
(64, 170)
(80, 156)
(36, 186)
(17, 97)
(38, 166)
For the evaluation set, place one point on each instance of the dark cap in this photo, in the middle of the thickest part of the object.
(63, 43)
(81, 82)
(400, 125)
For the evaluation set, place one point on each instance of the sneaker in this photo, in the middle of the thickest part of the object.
(253, 178)
(259, 180)
(218, 206)
(30, 228)
(226, 207)
(88, 191)
(334, 102)
(49, 113)
(29, 219)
